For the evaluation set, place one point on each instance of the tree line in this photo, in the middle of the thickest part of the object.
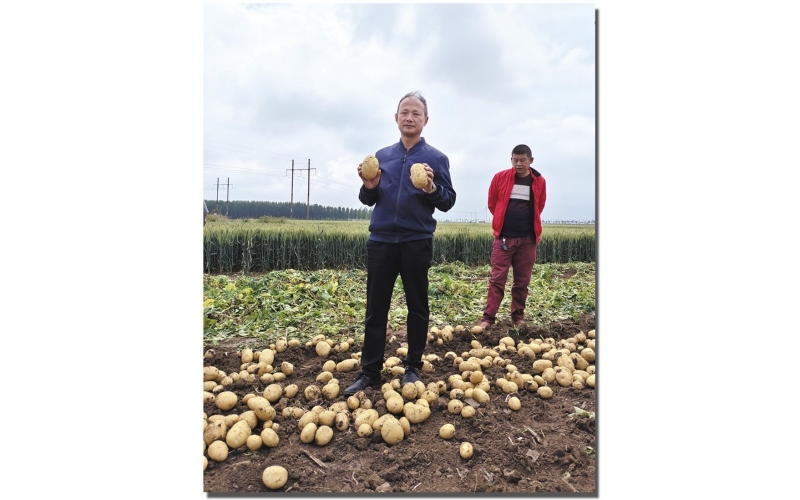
(240, 209)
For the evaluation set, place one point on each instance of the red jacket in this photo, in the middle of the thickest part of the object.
(500, 193)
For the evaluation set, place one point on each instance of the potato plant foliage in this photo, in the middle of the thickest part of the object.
(301, 304)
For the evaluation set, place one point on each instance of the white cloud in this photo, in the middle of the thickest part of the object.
(322, 82)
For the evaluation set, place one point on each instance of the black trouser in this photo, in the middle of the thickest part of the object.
(411, 260)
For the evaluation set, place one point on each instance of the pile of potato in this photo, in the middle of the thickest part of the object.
(530, 367)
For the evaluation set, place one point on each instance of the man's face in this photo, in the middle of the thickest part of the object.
(521, 164)
(410, 117)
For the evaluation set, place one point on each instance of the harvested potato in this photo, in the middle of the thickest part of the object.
(323, 435)
(480, 395)
(238, 434)
(270, 438)
(468, 412)
(217, 451)
(330, 390)
(273, 392)
(392, 431)
(342, 421)
(590, 381)
(254, 442)
(291, 390)
(308, 432)
(365, 430)
(369, 167)
(261, 407)
(210, 373)
(311, 392)
(455, 406)
(287, 368)
(307, 418)
(205, 462)
(419, 177)
(231, 419)
(216, 430)
(208, 397)
(275, 477)
(544, 392)
(323, 349)
(465, 450)
(394, 404)
(447, 431)
(514, 403)
(247, 355)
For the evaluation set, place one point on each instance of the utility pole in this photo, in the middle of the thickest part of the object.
(217, 194)
(291, 196)
(227, 197)
(308, 193)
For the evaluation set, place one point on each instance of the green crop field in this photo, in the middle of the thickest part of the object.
(268, 244)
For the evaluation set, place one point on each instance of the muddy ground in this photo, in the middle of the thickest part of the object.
(540, 448)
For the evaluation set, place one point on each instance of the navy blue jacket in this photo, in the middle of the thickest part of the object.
(403, 212)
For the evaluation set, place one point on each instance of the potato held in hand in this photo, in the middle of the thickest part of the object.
(418, 175)
(369, 167)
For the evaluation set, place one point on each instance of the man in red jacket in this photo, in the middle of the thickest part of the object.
(516, 201)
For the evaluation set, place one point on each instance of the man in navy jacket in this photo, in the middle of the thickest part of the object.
(401, 239)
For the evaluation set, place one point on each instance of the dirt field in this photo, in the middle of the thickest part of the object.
(540, 448)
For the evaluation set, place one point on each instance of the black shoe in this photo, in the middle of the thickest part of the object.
(362, 382)
(412, 375)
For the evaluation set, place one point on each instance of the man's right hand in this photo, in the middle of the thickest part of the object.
(372, 183)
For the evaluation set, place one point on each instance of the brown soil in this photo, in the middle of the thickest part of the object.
(540, 448)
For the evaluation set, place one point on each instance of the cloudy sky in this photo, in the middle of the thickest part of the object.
(303, 82)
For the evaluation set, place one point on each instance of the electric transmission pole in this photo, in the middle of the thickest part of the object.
(291, 196)
(227, 196)
(308, 193)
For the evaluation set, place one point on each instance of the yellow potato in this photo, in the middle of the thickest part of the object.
(308, 432)
(468, 412)
(217, 451)
(270, 438)
(369, 167)
(544, 392)
(238, 434)
(275, 477)
(465, 450)
(215, 431)
(365, 430)
(514, 403)
(419, 177)
(392, 431)
(323, 435)
(447, 431)
(254, 442)
(455, 406)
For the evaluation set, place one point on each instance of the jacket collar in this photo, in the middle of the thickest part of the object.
(415, 147)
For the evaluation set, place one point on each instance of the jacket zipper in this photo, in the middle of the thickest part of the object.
(399, 195)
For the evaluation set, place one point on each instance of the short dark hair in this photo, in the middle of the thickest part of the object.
(418, 96)
(522, 149)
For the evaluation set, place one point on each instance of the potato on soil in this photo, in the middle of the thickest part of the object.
(254, 442)
(273, 392)
(238, 434)
(514, 403)
(419, 177)
(392, 431)
(308, 432)
(544, 392)
(365, 430)
(447, 431)
(274, 477)
(342, 421)
(261, 407)
(215, 431)
(217, 451)
(465, 450)
(468, 412)
(270, 438)
(205, 462)
(323, 435)
(369, 167)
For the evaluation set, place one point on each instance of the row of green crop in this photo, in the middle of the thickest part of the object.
(247, 250)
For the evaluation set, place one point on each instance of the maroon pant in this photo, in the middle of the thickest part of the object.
(520, 256)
